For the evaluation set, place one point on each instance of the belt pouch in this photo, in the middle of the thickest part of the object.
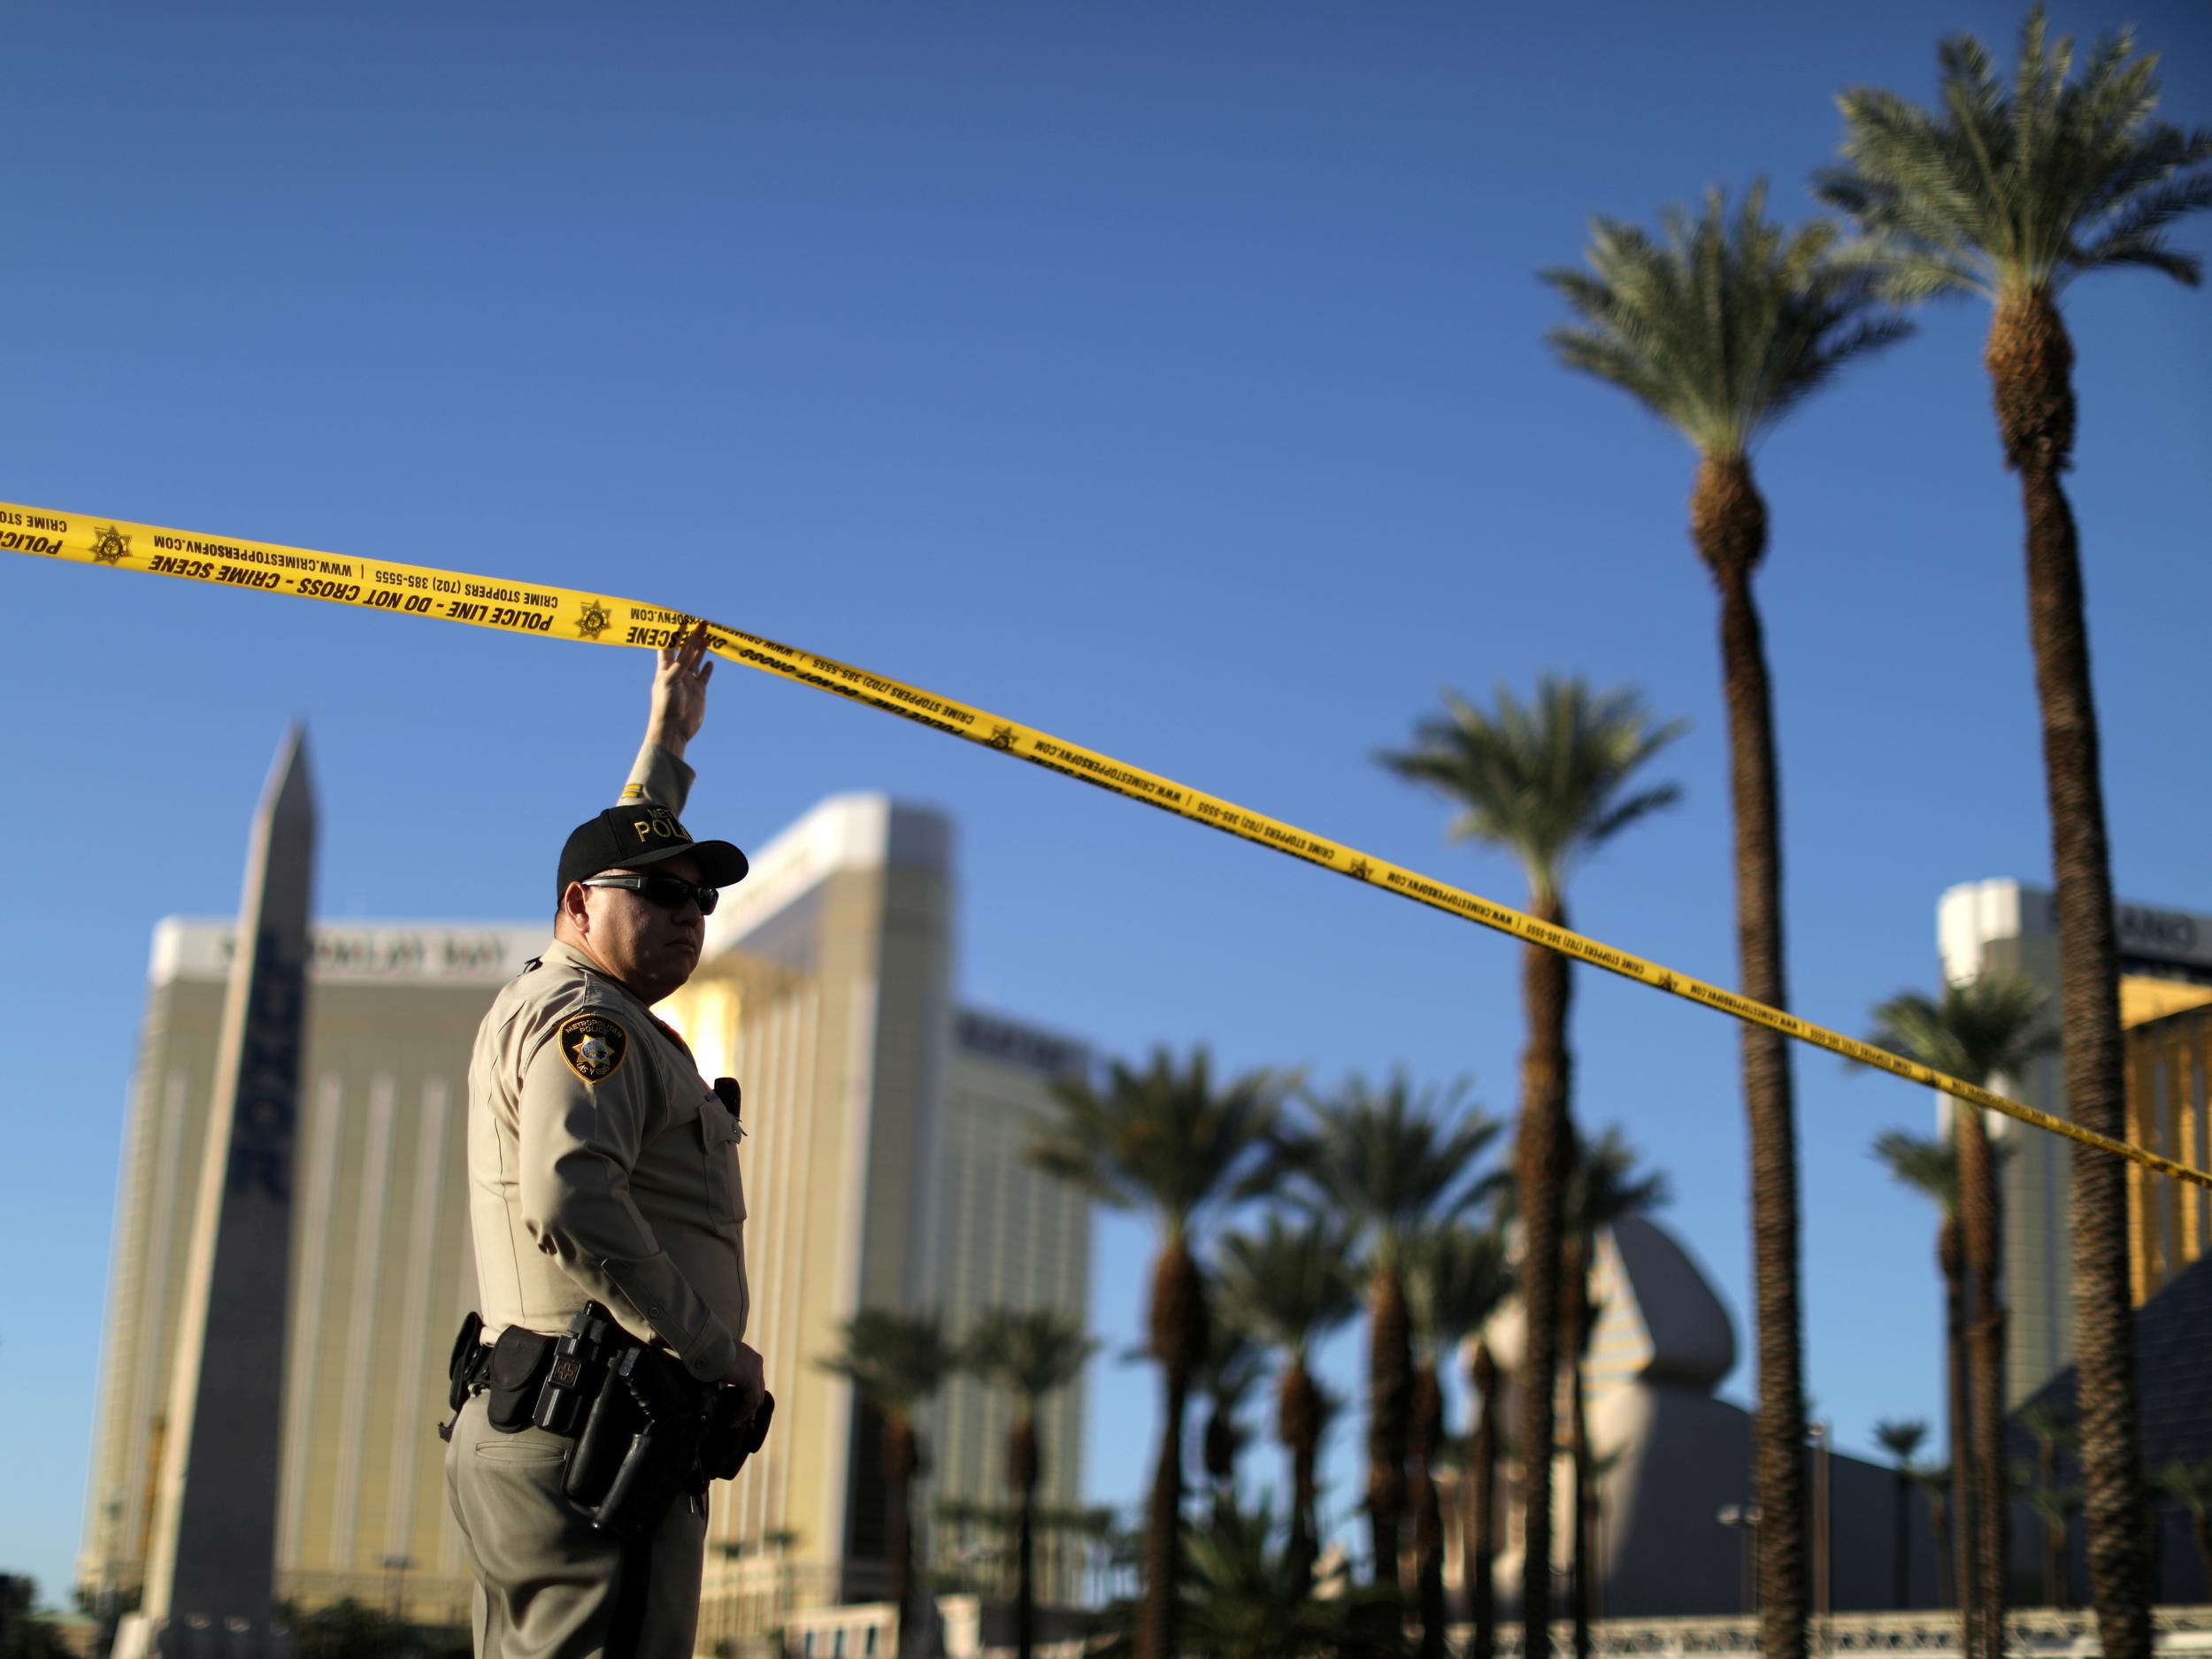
(519, 1361)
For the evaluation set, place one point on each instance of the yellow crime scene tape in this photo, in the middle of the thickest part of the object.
(568, 613)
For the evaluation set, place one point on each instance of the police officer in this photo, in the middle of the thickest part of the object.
(602, 1167)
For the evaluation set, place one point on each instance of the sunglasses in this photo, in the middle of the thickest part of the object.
(672, 891)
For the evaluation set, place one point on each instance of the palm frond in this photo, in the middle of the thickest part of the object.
(1547, 780)
(1030, 1353)
(895, 1360)
(1168, 1138)
(1386, 1156)
(1995, 1025)
(1929, 1167)
(1456, 1276)
(2007, 189)
(1295, 1281)
(1725, 322)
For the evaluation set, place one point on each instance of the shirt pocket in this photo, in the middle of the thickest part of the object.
(718, 1136)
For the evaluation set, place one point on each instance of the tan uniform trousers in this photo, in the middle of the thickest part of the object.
(548, 1584)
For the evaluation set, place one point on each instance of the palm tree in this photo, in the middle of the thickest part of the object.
(2053, 1430)
(1988, 1028)
(1902, 1438)
(1172, 1140)
(1931, 1168)
(2189, 1485)
(1455, 1278)
(1295, 1284)
(1721, 328)
(1479, 1532)
(2055, 1507)
(1548, 783)
(896, 1361)
(1388, 1158)
(1234, 1361)
(1604, 1188)
(1935, 1485)
(2012, 196)
(1246, 1601)
(1031, 1355)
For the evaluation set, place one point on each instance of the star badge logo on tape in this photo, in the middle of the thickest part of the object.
(597, 619)
(111, 546)
(594, 1046)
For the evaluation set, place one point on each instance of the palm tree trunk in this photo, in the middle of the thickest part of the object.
(1575, 1285)
(1298, 1425)
(898, 1471)
(1390, 1400)
(1178, 1330)
(1979, 1216)
(2054, 1536)
(1950, 1257)
(1939, 1535)
(1220, 1454)
(2054, 1562)
(1541, 1171)
(1900, 1582)
(1480, 1534)
(2201, 1531)
(2031, 365)
(1022, 1460)
(1728, 524)
(1428, 1515)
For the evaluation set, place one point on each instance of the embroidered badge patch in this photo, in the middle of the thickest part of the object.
(594, 1046)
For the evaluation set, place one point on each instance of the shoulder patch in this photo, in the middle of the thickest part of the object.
(594, 1045)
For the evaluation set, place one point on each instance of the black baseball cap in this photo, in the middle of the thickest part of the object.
(637, 836)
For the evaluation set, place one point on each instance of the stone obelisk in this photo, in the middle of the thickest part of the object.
(211, 1575)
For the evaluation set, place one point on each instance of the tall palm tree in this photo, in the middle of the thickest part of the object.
(1721, 327)
(1604, 1188)
(1295, 1284)
(896, 1361)
(1388, 1157)
(1455, 1278)
(2011, 195)
(1900, 1439)
(1173, 1141)
(1549, 783)
(1031, 1355)
(1931, 1168)
(2054, 1429)
(1978, 1030)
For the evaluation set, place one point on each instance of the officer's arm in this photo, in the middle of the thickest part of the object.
(680, 703)
(580, 1141)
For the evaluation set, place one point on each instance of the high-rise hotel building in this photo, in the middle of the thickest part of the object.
(2166, 1009)
(883, 1168)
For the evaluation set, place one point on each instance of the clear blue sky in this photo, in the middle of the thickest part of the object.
(1169, 377)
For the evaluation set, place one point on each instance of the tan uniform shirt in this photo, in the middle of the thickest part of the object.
(590, 1182)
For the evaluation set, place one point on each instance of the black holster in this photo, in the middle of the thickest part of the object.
(640, 1444)
(463, 1366)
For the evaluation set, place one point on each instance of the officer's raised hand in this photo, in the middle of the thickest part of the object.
(680, 691)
